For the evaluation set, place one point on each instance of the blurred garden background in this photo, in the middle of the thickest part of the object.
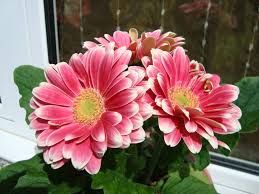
(222, 34)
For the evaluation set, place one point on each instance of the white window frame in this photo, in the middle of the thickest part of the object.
(24, 32)
(23, 41)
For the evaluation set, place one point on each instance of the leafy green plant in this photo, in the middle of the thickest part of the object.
(150, 167)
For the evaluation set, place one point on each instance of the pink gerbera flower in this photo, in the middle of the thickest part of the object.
(149, 40)
(190, 103)
(140, 47)
(91, 104)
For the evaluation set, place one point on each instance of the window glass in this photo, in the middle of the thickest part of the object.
(223, 35)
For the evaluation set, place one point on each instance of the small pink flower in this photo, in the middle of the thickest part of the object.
(119, 38)
(140, 47)
(149, 40)
(190, 103)
(91, 104)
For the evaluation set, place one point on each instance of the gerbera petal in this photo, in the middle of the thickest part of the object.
(156, 58)
(141, 73)
(191, 126)
(206, 127)
(53, 77)
(77, 65)
(120, 86)
(180, 59)
(155, 87)
(125, 126)
(114, 137)
(99, 148)
(224, 145)
(126, 141)
(147, 44)
(169, 65)
(202, 133)
(162, 82)
(166, 124)
(33, 105)
(61, 122)
(41, 138)
(128, 110)
(60, 134)
(193, 142)
(173, 138)
(137, 121)
(121, 38)
(58, 164)
(156, 34)
(226, 93)
(109, 37)
(52, 112)
(81, 154)
(94, 165)
(122, 98)
(167, 107)
(105, 70)
(212, 123)
(55, 152)
(152, 71)
(78, 132)
(38, 123)
(137, 136)
(124, 59)
(145, 110)
(96, 59)
(52, 94)
(46, 156)
(102, 41)
(32, 116)
(89, 45)
(98, 133)
(146, 61)
(68, 149)
(111, 117)
(69, 77)
(213, 142)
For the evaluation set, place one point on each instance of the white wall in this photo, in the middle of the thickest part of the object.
(23, 41)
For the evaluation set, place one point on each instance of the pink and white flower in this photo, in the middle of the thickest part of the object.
(91, 104)
(190, 103)
(140, 47)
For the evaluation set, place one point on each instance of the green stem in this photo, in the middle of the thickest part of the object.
(154, 159)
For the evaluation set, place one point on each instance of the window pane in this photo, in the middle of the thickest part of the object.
(220, 34)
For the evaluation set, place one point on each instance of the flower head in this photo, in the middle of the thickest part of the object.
(189, 102)
(150, 40)
(91, 104)
(140, 47)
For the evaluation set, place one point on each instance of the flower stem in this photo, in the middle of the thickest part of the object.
(155, 158)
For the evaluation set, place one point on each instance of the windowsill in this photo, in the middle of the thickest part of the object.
(227, 181)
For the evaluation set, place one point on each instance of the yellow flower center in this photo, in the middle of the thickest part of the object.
(183, 98)
(88, 107)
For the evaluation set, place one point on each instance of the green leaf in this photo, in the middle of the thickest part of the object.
(190, 184)
(27, 77)
(136, 161)
(248, 101)
(201, 175)
(177, 159)
(171, 182)
(202, 159)
(10, 175)
(34, 176)
(32, 181)
(231, 140)
(113, 182)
